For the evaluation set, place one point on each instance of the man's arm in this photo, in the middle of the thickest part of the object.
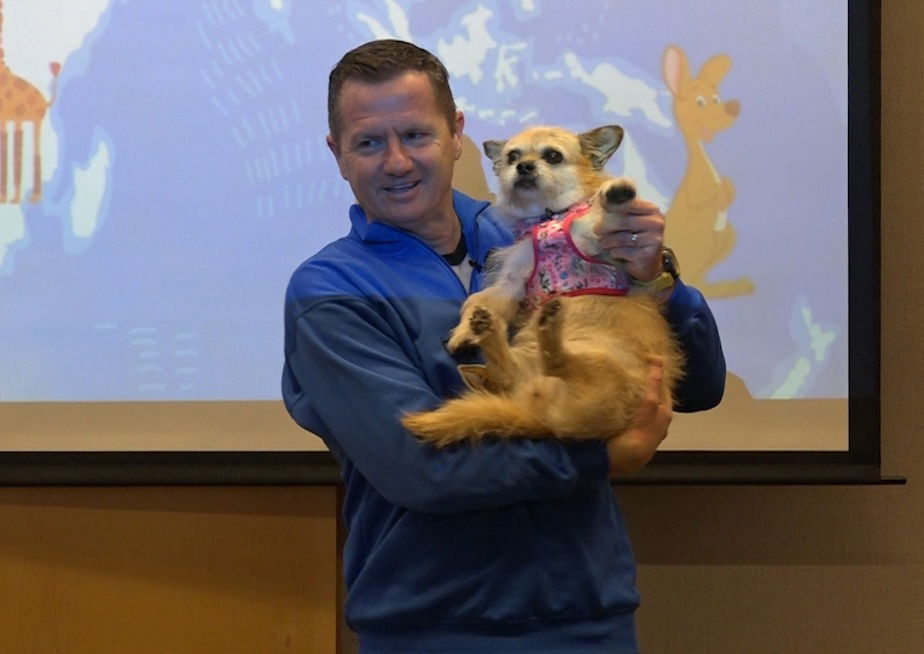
(703, 382)
(352, 384)
(635, 447)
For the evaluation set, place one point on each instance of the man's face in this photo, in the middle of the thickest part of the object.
(397, 152)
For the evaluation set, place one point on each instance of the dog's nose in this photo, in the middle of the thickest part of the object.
(733, 107)
(526, 168)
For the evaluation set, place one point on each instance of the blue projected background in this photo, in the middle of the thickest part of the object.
(185, 173)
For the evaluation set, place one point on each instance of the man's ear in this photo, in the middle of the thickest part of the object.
(334, 147)
(457, 134)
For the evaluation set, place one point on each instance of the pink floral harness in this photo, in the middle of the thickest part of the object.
(560, 268)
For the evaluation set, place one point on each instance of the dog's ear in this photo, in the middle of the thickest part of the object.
(493, 149)
(599, 144)
(475, 375)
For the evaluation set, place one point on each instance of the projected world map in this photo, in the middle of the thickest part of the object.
(184, 172)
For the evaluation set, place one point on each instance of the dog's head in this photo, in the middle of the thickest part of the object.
(549, 168)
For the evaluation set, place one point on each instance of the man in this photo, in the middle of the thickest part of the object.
(507, 546)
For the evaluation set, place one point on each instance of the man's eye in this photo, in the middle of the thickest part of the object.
(552, 156)
(512, 157)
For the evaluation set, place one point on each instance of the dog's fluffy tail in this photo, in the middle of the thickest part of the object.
(472, 418)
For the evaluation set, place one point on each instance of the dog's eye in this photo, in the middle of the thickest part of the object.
(701, 101)
(552, 156)
(512, 157)
(716, 99)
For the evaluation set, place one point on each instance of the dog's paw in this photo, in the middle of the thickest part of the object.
(460, 340)
(550, 313)
(481, 322)
(475, 323)
(549, 321)
(616, 193)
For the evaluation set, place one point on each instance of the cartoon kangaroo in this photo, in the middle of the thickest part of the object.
(697, 221)
(21, 102)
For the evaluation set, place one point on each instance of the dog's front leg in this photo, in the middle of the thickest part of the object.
(607, 215)
(501, 299)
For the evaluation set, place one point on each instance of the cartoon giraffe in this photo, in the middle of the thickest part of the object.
(21, 102)
(697, 221)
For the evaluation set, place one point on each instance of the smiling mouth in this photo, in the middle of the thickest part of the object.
(401, 188)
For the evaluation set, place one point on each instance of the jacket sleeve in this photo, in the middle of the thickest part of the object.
(349, 382)
(703, 384)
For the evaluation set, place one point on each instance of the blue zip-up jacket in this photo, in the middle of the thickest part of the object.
(513, 545)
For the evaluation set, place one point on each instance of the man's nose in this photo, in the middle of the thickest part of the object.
(397, 161)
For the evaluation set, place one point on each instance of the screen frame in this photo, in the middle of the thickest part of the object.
(860, 464)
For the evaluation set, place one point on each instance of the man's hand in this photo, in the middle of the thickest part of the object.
(637, 239)
(633, 449)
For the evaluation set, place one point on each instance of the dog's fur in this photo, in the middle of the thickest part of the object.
(579, 366)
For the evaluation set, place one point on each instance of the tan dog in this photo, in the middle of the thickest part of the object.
(578, 367)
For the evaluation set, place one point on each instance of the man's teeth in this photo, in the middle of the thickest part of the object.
(402, 187)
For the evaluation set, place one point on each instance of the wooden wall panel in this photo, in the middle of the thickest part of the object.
(156, 570)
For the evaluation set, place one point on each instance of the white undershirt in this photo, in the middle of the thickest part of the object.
(463, 271)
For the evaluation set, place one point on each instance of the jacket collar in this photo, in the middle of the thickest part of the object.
(376, 232)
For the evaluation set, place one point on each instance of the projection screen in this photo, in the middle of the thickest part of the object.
(171, 171)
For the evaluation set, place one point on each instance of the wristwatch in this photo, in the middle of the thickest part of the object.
(666, 279)
(669, 263)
